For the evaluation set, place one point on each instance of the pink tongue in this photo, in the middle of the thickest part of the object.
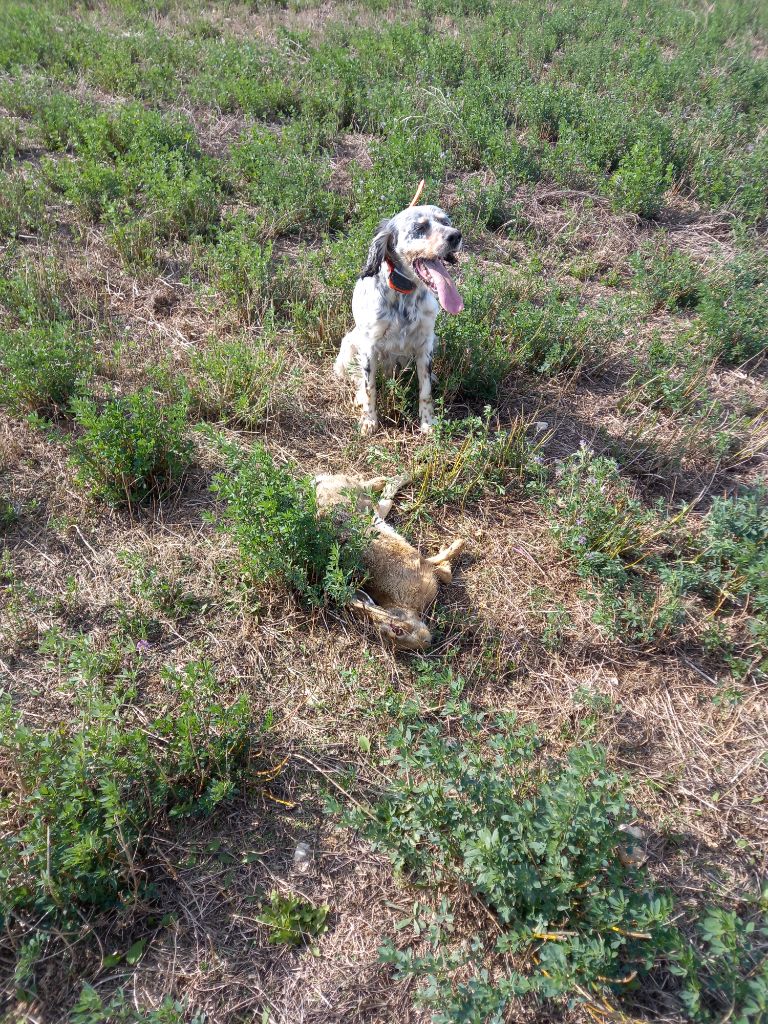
(447, 293)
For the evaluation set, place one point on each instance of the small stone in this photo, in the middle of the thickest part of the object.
(540, 425)
(302, 858)
(632, 853)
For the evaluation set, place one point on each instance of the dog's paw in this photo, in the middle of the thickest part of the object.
(368, 425)
(339, 370)
(427, 427)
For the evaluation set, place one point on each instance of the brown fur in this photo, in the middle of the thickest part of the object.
(402, 583)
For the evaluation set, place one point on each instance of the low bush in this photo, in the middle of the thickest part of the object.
(41, 367)
(271, 513)
(555, 335)
(734, 312)
(641, 180)
(465, 458)
(473, 354)
(84, 798)
(133, 447)
(614, 541)
(286, 177)
(666, 278)
(240, 381)
(538, 843)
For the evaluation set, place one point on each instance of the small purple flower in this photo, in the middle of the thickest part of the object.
(581, 540)
(580, 521)
(143, 647)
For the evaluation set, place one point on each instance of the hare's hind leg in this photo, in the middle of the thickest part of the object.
(445, 559)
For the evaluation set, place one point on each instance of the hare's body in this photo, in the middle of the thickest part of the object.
(401, 584)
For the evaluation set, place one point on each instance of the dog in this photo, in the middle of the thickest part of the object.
(401, 583)
(395, 304)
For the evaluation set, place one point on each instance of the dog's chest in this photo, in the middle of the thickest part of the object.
(409, 326)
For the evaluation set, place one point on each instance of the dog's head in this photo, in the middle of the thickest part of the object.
(419, 241)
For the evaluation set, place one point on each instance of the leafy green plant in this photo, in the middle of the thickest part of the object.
(666, 278)
(132, 447)
(734, 313)
(8, 513)
(464, 458)
(272, 515)
(642, 179)
(91, 1008)
(614, 541)
(286, 176)
(293, 920)
(41, 367)
(163, 592)
(86, 797)
(555, 336)
(537, 842)
(240, 381)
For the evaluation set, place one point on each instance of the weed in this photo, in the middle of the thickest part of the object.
(292, 920)
(41, 367)
(271, 514)
(133, 447)
(464, 458)
(286, 177)
(641, 179)
(8, 513)
(666, 278)
(240, 381)
(162, 592)
(91, 1008)
(555, 336)
(734, 312)
(87, 796)
(537, 842)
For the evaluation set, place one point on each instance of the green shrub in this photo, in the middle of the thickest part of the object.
(641, 180)
(537, 843)
(271, 513)
(133, 447)
(462, 459)
(734, 312)
(239, 264)
(23, 209)
(285, 176)
(84, 798)
(666, 278)
(614, 541)
(473, 354)
(41, 367)
(240, 381)
(556, 336)
(473, 807)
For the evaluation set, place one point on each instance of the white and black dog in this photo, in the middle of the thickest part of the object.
(395, 305)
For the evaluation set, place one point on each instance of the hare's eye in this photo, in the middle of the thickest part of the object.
(398, 630)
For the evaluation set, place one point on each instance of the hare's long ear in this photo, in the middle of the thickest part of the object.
(378, 250)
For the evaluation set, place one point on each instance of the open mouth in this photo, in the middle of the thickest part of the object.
(435, 276)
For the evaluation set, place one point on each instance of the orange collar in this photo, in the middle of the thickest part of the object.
(397, 281)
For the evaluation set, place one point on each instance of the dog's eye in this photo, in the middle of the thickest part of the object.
(421, 228)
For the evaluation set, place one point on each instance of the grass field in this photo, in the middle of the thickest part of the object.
(188, 191)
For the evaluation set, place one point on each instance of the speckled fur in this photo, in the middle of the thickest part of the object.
(392, 329)
(402, 584)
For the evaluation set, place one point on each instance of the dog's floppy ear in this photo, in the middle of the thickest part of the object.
(378, 250)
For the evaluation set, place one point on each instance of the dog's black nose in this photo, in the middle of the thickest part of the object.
(454, 238)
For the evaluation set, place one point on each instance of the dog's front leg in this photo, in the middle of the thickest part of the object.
(366, 394)
(424, 370)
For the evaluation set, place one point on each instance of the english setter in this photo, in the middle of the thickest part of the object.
(395, 305)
